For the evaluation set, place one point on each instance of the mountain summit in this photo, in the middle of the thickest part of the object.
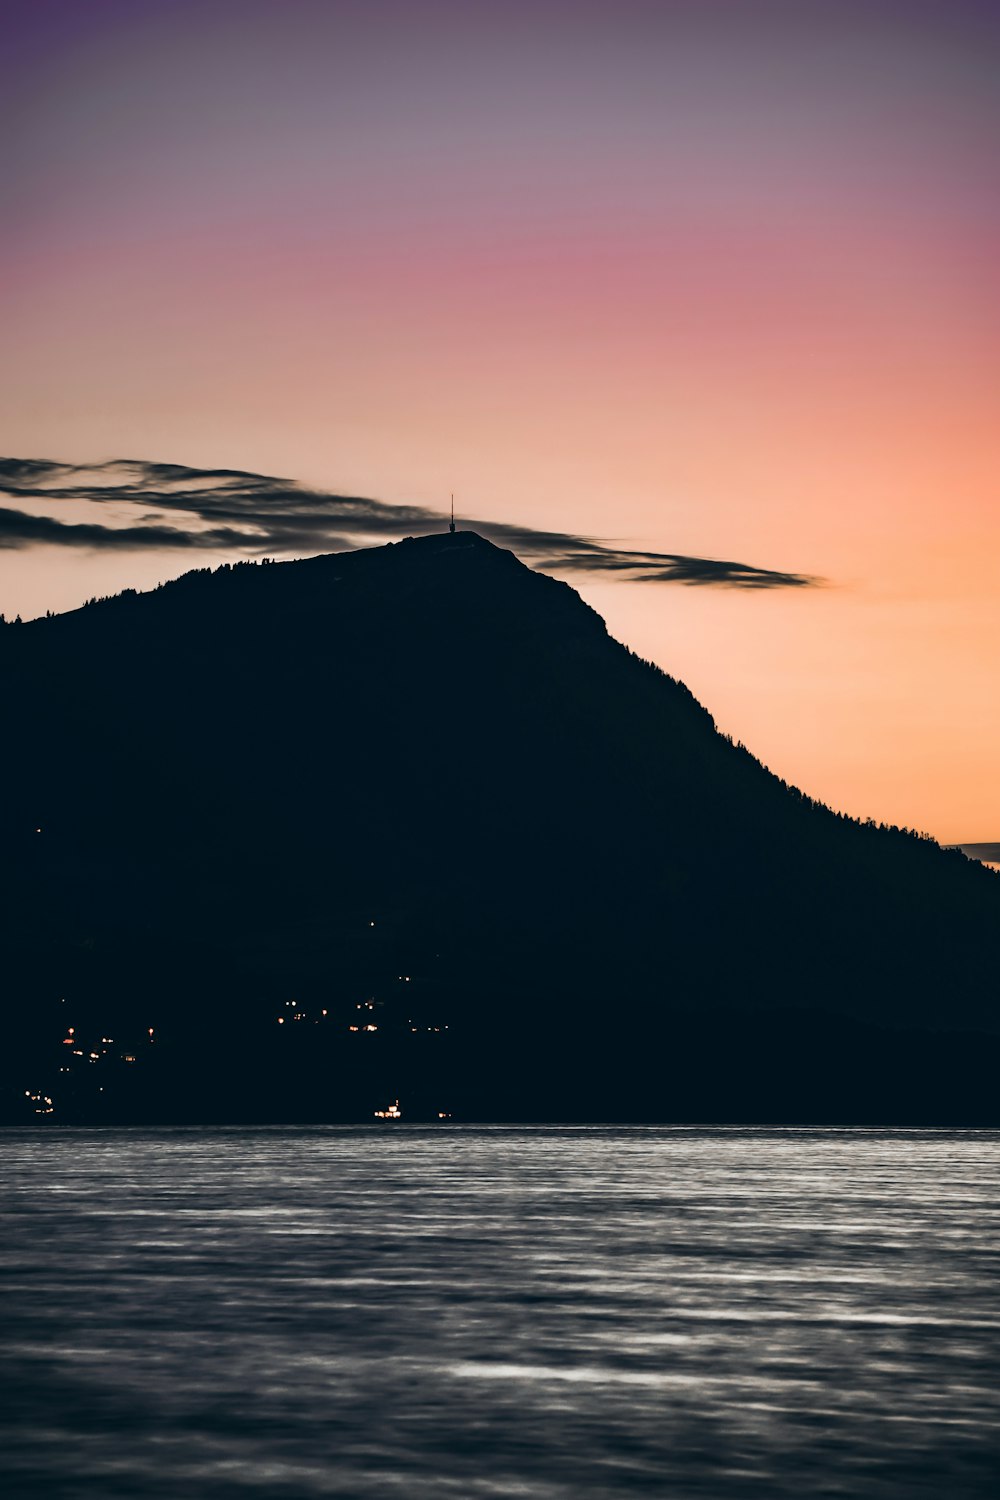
(422, 783)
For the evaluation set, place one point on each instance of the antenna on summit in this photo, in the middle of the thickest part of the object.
(451, 527)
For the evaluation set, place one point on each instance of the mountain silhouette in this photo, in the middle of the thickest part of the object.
(494, 863)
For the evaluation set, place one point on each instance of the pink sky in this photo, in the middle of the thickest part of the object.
(699, 278)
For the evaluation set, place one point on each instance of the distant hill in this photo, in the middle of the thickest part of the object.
(420, 788)
(988, 853)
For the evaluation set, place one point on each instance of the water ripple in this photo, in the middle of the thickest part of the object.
(551, 1313)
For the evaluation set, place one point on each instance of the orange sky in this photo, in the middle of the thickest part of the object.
(664, 275)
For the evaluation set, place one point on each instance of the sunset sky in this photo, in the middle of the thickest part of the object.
(710, 279)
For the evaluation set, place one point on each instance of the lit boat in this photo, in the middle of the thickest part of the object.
(392, 1113)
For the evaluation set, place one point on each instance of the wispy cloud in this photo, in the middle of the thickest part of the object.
(162, 507)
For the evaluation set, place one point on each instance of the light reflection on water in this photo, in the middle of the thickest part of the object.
(466, 1312)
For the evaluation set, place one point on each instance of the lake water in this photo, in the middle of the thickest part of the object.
(463, 1312)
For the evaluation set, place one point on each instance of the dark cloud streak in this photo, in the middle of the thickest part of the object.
(231, 510)
(17, 529)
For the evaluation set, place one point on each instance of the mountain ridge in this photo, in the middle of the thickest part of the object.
(236, 773)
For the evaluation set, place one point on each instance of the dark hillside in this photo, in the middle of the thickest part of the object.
(237, 775)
